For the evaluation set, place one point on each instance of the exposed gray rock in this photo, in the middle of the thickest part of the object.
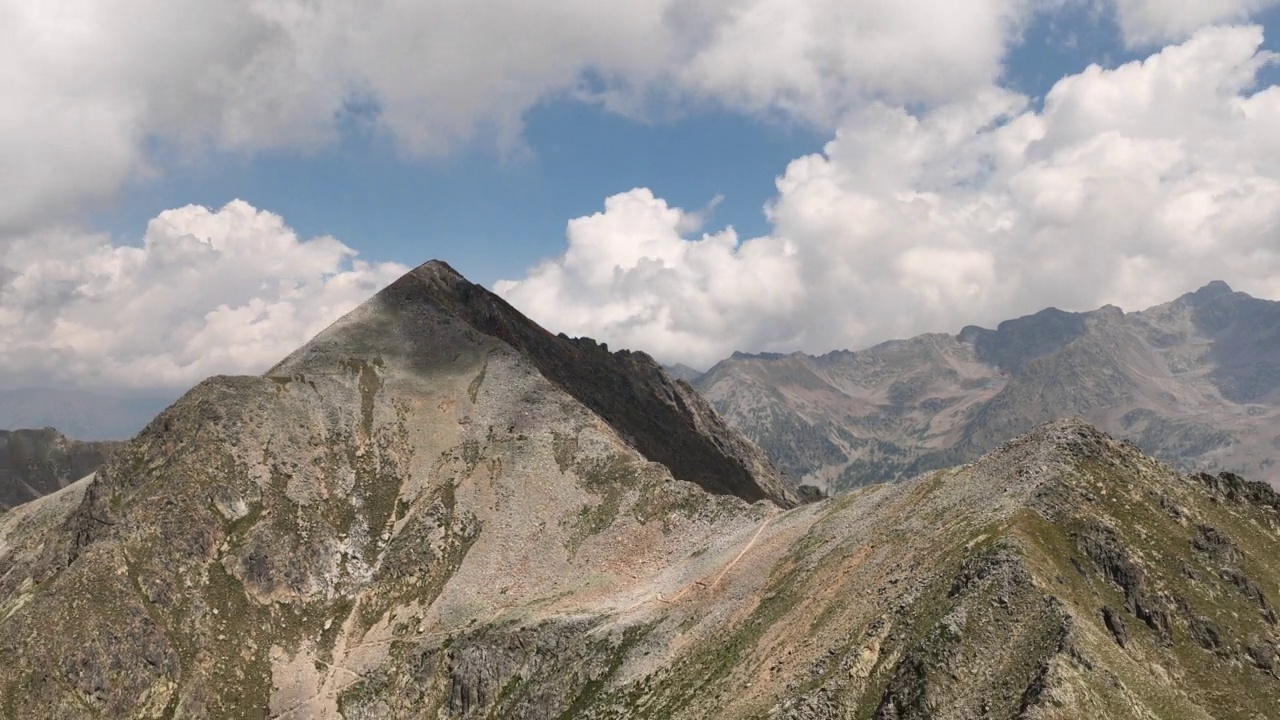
(1210, 541)
(1115, 623)
(1195, 382)
(1206, 633)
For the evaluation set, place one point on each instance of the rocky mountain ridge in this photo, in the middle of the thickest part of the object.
(664, 419)
(422, 513)
(1195, 382)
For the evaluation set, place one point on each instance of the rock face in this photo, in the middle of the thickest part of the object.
(38, 462)
(429, 512)
(664, 419)
(1195, 382)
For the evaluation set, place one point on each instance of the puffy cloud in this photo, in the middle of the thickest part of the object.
(226, 291)
(901, 221)
(97, 93)
(816, 59)
(1144, 22)
(629, 276)
(1129, 186)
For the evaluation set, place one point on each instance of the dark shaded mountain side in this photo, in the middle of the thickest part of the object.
(1014, 343)
(38, 462)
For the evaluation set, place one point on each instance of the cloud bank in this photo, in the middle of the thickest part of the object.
(101, 93)
(1129, 187)
(1145, 22)
(225, 291)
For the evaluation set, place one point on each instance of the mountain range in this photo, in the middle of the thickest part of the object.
(38, 462)
(1194, 382)
(436, 508)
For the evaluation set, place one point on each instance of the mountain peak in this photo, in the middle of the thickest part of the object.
(436, 265)
(432, 319)
(1071, 436)
(434, 283)
(1214, 288)
(438, 273)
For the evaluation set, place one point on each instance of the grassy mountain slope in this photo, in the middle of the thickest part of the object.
(1064, 575)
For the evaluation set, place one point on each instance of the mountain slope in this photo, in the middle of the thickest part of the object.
(429, 317)
(1195, 382)
(1063, 576)
(38, 462)
(431, 461)
(421, 513)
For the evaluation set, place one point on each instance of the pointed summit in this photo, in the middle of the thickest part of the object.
(433, 320)
(440, 277)
(439, 267)
(1215, 288)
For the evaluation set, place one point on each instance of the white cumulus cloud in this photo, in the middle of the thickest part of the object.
(99, 93)
(225, 291)
(1129, 186)
(1144, 22)
(631, 277)
(970, 206)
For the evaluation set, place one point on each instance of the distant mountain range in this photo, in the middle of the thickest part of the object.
(438, 509)
(37, 462)
(80, 414)
(1195, 382)
(680, 371)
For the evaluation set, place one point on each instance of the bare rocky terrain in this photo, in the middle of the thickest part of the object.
(1194, 382)
(437, 509)
(38, 462)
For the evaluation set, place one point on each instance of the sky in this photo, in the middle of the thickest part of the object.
(199, 186)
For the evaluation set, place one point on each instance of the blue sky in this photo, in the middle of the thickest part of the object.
(492, 214)
(586, 162)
